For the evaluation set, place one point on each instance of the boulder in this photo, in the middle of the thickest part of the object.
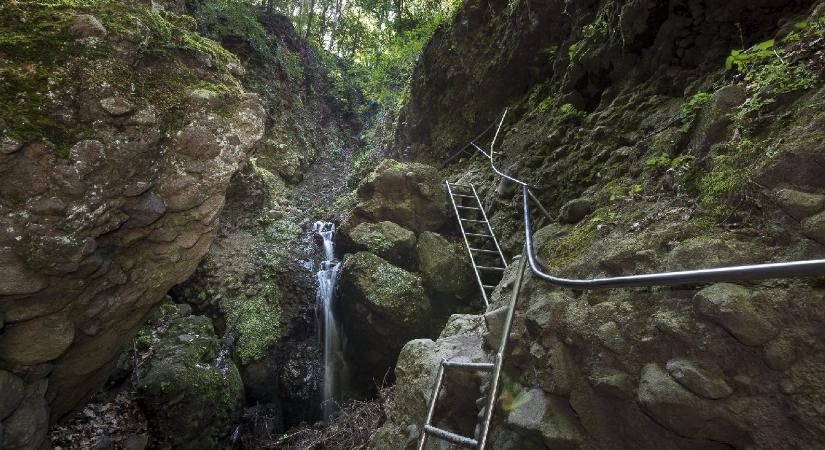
(415, 373)
(383, 307)
(575, 210)
(445, 267)
(85, 25)
(408, 194)
(729, 306)
(189, 388)
(700, 380)
(814, 227)
(799, 204)
(681, 411)
(385, 239)
(546, 416)
(13, 390)
(26, 428)
(116, 106)
(36, 341)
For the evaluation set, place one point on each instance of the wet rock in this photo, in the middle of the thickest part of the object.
(116, 106)
(191, 397)
(729, 306)
(799, 204)
(701, 381)
(549, 417)
(444, 267)
(85, 25)
(13, 390)
(36, 341)
(575, 210)
(814, 227)
(385, 239)
(681, 411)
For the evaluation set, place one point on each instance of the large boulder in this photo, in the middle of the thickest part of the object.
(385, 239)
(415, 372)
(445, 267)
(189, 387)
(409, 194)
(383, 307)
(114, 174)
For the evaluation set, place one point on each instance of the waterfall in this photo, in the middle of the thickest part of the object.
(333, 345)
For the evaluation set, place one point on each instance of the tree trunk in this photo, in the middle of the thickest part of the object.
(338, 5)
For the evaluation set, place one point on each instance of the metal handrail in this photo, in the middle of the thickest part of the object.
(790, 269)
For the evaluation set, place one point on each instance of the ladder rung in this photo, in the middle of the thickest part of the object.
(474, 220)
(488, 286)
(483, 250)
(464, 195)
(459, 185)
(478, 235)
(500, 269)
(468, 207)
(451, 437)
(469, 365)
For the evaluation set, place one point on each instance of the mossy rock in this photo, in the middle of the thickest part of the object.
(191, 394)
(256, 320)
(445, 267)
(385, 239)
(383, 307)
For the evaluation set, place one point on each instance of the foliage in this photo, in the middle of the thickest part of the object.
(695, 104)
(741, 58)
(220, 19)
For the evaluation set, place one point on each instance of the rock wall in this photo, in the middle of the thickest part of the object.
(656, 157)
(121, 130)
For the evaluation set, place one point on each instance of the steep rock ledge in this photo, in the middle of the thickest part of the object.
(113, 177)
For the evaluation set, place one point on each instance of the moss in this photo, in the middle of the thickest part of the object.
(256, 320)
(277, 240)
(45, 69)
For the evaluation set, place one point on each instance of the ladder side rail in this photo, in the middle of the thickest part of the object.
(467, 245)
(439, 378)
(508, 323)
(489, 227)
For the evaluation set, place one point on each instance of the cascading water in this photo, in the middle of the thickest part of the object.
(334, 367)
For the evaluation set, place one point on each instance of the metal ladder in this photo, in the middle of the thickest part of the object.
(481, 233)
(479, 441)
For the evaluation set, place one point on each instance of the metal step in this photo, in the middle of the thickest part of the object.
(497, 269)
(464, 195)
(468, 207)
(488, 286)
(473, 220)
(482, 250)
(478, 235)
(468, 365)
(451, 437)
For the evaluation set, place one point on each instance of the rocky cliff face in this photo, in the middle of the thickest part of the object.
(625, 120)
(121, 131)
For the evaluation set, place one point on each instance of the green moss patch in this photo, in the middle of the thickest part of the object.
(256, 320)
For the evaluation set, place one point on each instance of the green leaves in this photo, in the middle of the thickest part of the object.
(740, 58)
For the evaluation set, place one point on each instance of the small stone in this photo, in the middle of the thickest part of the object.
(614, 383)
(779, 354)
(575, 210)
(729, 306)
(814, 227)
(610, 336)
(9, 145)
(116, 106)
(799, 204)
(85, 25)
(136, 442)
(143, 117)
(236, 68)
(699, 380)
(729, 97)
